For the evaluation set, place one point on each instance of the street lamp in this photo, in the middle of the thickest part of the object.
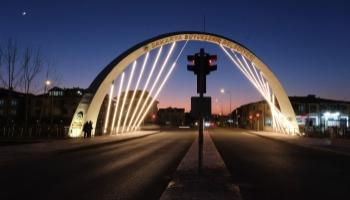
(222, 91)
(47, 84)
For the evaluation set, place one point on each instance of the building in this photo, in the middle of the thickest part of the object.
(12, 104)
(314, 115)
(171, 116)
(47, 114)
(57, 106)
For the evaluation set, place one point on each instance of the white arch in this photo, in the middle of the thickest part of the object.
(100, 86)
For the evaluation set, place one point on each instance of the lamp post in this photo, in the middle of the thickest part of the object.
(222, 91)
(257, 119)
(47, 84)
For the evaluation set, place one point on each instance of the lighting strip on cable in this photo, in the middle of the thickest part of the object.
(156, 95)
(279, 122)
(145, 88)
(154, 83)
(117, 103)
(135, 90)
(108, 107)
(161, 86)
(125, 95)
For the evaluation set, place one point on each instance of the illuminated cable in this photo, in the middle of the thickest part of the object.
(145, 88)
(125, 95)
(161, 86)
(155, 82)
(240, 66)
(260, 79)
(156, 95)
(108, 108)
(280, 122)
(261, 88)
(118, 100)
(135, 90)
(251, 72)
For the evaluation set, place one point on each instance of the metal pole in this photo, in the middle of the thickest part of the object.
(200, 139)
(230, 114)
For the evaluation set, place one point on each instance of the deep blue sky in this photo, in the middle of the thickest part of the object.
(306, 44)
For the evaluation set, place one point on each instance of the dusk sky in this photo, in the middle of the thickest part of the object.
(306, 44)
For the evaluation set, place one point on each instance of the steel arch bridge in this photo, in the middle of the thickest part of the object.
(129, 118)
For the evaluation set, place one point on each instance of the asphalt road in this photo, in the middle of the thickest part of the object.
(270, 169)
(135, 169)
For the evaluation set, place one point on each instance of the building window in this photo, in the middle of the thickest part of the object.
(56, 93)
(2, 102)
(268, 121)
(13, 102)
(313, 108)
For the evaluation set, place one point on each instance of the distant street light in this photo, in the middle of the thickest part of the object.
(47, 84)
(222, 91)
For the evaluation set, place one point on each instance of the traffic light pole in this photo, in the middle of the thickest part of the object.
(200, 138)
(201, 64)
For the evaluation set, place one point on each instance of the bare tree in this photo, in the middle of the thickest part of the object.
(10, 70)
(1, 67)
(31, 67)
(9, 73)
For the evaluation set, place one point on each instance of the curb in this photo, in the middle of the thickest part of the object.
(301, 145)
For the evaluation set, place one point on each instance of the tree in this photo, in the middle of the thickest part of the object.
(9, 68)
(9, 73)
(31, 67)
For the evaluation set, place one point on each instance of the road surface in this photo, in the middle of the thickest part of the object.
(135, 169)
(269, 169)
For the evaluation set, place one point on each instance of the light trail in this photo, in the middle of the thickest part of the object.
(118, 100)
(125, 95)
(165, 62)
(145, 88)
(108, 108)
(135, 90)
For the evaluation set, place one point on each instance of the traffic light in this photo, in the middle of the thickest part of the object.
(211, 66)
(201, 64)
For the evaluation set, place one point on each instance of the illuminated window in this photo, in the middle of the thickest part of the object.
(268, 121)
(13, 102)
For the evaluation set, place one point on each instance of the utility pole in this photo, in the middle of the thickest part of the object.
(201, 64)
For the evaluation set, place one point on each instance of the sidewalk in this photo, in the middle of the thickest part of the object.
(339, 146)
(215, 183)
(15, 152)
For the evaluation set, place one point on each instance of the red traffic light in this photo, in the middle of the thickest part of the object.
(212, 59)
(191, 60)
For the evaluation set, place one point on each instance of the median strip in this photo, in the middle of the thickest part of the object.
(214, 183)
